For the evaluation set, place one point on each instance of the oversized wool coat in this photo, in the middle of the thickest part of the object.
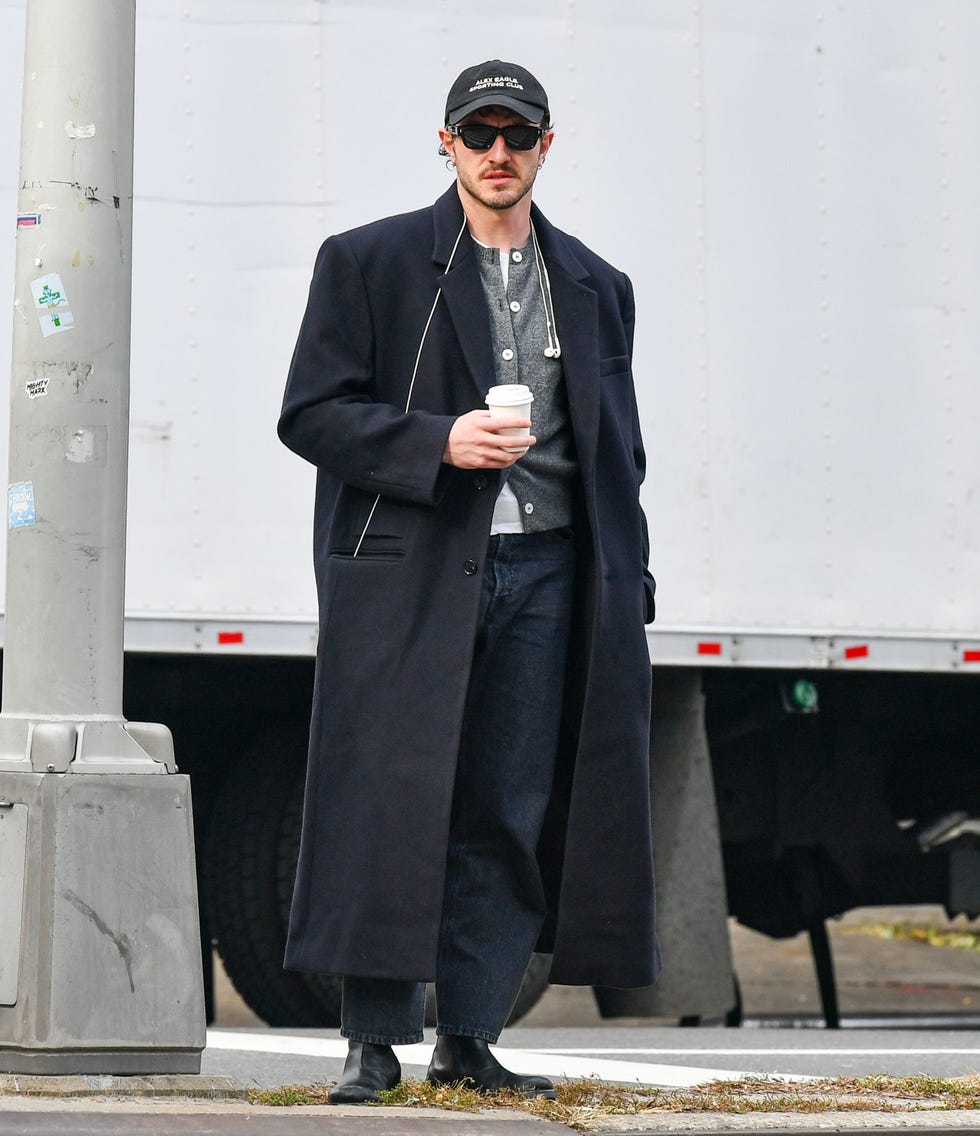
(398, 621)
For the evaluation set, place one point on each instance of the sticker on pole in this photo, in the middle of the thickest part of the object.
(51, 304)
(20, 505)
(57, 321)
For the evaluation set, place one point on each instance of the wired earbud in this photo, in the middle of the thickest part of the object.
(553, 350)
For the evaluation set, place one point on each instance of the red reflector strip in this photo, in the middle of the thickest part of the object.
(971, 656)
(860, 652)
(231, 637)
(709, 648)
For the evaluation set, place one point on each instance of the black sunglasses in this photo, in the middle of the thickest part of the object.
(479, 136)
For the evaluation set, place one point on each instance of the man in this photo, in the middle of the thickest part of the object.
(478, 756)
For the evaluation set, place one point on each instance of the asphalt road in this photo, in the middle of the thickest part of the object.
(877, 980)
(666, 1057)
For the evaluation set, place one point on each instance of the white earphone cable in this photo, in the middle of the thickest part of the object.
(553, 350)
(415, 371)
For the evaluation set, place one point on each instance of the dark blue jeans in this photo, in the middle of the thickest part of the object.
(493, 903)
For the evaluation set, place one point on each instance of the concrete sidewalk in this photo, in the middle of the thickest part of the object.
(215, 1104)
(101, 1116)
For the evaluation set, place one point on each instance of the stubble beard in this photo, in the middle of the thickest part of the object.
(494, 199)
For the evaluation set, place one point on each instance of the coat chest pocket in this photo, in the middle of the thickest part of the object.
(374, 547)
(368, 555)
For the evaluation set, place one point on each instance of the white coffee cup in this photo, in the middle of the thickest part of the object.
(511, 403)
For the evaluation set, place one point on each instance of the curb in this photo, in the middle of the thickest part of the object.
(160, 1087)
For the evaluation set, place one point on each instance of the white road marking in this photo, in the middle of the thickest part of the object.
(277, 1043)
(547, 1062)
(784, 1051)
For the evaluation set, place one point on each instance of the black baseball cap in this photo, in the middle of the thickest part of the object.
(496, 83)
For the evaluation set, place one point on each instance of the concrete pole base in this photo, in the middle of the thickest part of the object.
(100, 949)
(121, 1062)
(91, 745)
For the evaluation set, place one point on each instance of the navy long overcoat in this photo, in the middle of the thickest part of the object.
(397, 622)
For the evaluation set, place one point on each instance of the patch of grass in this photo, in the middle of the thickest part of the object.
(580, 1104)
(420, 1094)
(960, 938)
(950, 1092)
(601, 1095)
(289, 1095)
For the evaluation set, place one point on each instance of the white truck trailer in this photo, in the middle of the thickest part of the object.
(792, 187)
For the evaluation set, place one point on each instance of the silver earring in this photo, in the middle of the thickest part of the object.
(541, 164)
(451, 165)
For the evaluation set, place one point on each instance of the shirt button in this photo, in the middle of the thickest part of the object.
(529, 508)
(480, 481)
(469, 567)
(506, 354)
(515, 306)
(516, 257)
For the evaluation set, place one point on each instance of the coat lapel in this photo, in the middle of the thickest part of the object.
(462, 290)
(577, 320)
(576, 316)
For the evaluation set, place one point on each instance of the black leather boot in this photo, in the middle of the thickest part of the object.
(369, 1069)
(467, 1061)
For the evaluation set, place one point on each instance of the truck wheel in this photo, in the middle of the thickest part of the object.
(241, 884)
(327, 987)
(532, 988)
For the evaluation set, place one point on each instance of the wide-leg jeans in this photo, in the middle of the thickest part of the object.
(493, 902)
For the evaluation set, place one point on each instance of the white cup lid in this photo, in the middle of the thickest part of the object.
(509, 394)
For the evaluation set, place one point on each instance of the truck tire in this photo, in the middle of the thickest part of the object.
(534, 985)
(532, 988)
(241, 884)
(324, 988)
(251, 850)
(327, 987)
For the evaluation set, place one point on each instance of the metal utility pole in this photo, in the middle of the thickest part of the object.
(100, 962)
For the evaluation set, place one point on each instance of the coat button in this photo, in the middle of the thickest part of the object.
(515, 306)
(507, 354)
(469, 567)
(480, 481)
(516, 257)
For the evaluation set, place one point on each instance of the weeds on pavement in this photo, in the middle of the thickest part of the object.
(582, 1104)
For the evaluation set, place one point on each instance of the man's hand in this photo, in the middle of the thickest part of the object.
(474, 443)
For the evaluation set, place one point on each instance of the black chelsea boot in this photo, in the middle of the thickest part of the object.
(467, 1061)
(369, 1069)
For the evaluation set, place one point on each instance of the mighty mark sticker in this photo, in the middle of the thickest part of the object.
(20, 505)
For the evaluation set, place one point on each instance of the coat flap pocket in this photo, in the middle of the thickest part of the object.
(614, 365)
